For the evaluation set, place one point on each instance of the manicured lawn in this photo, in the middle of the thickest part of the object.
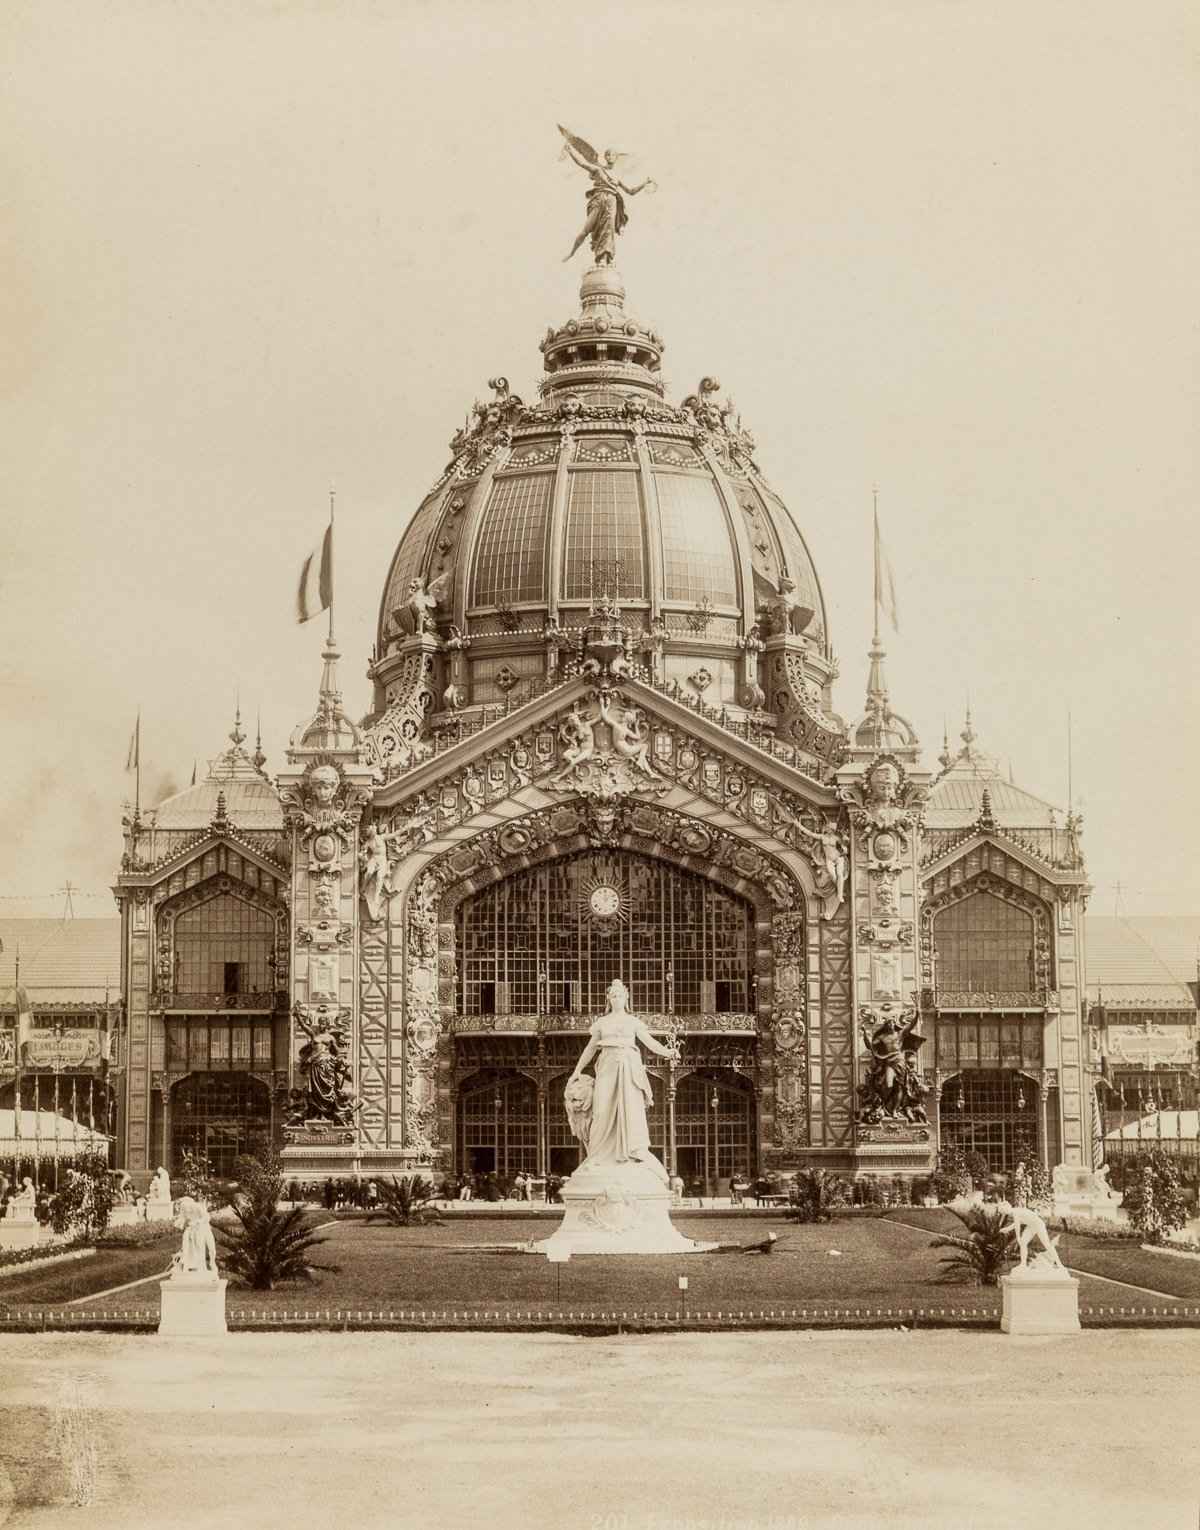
(474, 1267)
(74, 1278)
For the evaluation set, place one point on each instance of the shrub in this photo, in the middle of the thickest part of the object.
(85, 1198)
(951, 1178)
(138, 1234)
(195, 1178)
(266, 1245)
(1155, 1202)
(814, 1195)
(976, 1166)
(978, 1256)
(404, 1202)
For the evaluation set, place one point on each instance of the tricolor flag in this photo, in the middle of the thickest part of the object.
(885, 581)
(315, 593)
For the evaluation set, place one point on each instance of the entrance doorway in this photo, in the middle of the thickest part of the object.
(714, 1130)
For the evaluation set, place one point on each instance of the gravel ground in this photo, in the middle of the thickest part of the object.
(684, 1432)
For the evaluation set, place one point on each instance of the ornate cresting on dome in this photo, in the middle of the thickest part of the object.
(602, 495)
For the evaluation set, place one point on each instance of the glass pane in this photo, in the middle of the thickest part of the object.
(697, 552)
(604, 528)
(510, 562)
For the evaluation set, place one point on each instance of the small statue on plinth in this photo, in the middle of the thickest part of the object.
(198, 1253)
(21, 1203)
(160, 1186)
(1027, 1226)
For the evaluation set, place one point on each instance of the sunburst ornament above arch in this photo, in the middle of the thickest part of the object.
(603, 901)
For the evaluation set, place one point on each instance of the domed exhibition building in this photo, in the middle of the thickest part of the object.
(604, 742)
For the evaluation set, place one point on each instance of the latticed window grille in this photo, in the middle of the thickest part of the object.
(604, 530)
(697, 551)
(510, 562)
(220, 1117)
(968, 1042)
(530, 944)
(995, 1113)
(224, 941)
(984, 945)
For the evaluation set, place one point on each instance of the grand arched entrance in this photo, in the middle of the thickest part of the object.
(219, 1116)
(535, 955)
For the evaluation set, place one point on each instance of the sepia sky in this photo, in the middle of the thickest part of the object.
(258, 250)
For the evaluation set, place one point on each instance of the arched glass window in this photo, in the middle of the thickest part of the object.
(224, 945)
(984, 945)
(552, 939)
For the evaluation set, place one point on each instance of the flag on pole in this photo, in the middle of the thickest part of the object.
(885, 580)
(133, 758)
(24, 1019)
(315, 592)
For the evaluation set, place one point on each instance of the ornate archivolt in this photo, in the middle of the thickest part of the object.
(438, 885)
(606, 749)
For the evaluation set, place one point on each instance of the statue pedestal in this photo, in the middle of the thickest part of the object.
(618, 1208)
(1038, 1301)
(124, 1215)
(159, 1211)
(193, 1306)
(18, 1232)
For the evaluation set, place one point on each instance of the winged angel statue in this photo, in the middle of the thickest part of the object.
(606, 215)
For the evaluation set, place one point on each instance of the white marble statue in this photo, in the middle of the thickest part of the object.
(160, 1185)
(21, 1202)
(1028, 1226)
(617, 1129)
(198, 1254)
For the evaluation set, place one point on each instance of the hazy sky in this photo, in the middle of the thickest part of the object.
(257, 250)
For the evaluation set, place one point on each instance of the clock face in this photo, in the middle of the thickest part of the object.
(605, 902)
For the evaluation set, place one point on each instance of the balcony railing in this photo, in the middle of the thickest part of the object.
(727, 1023)
(267, 1000)
(964, 998)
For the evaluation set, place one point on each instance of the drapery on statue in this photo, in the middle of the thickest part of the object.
(606, 215)
(330, 1094)
(614, 1129)
(893, 1088)
(198, 1255)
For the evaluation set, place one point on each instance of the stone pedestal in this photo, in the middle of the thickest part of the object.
(159, 1211)
(1039, 1302)
(17, 1232)
(193, 1307)
(124, 1215)
(618, 1209)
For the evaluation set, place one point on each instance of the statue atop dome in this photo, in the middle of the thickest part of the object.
(606, 215)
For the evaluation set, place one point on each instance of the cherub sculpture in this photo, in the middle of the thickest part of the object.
(606, 215)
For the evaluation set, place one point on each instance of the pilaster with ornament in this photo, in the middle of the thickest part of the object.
(885, 796)
(323, 794)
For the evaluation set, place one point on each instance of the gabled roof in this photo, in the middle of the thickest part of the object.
(1142, 961)
(249, 804)
(62, 960)
(956, 797)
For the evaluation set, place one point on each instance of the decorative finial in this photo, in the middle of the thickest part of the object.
(260, 758)
(236, 734)
(945, 759)
(968, 733)
(987, 819)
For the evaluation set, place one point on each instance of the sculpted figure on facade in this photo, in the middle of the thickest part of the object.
(833, 859)
(606, 214)
(893, 1088)
(606, 750)
(329, 1094)
(424, 597)
(375, 860)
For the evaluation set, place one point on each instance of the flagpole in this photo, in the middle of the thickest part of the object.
(875, 499)
(331, 505)
(17, 1077)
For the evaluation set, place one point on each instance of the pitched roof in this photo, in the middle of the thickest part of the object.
(249, 804)
(1142, 960)
(62, 960)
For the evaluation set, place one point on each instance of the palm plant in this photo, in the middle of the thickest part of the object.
(267, 1245)
(403, 1201)
(981, 1255)
(815, 1194)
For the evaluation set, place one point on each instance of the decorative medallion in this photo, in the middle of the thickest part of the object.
(605, 901)
(506, 677)
(700, 679)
